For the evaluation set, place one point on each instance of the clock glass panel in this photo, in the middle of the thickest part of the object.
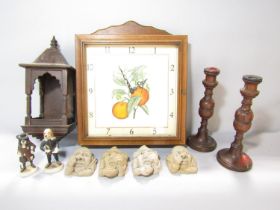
(132, 90)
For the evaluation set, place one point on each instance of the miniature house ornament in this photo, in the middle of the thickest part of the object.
(26, 150)
(113, 163)
(181, 161)
(81, 163)
(146, 162)
(57, 93)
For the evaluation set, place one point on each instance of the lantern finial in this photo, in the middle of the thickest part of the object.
(54, 43)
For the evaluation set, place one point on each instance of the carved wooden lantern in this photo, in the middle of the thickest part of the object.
(56, 90)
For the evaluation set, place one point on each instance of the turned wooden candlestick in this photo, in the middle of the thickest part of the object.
(202, 141)
(234, 158)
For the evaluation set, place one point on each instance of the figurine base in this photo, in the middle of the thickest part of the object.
(235, 163)
(28, 171)
(202, 145)
(54, 168)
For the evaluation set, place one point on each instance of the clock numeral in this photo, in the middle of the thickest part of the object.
(171, 115)
(155, 50)
(131, 132)
(154, 131)
(90, 115)
(131, 50)
(171, 91)
(108, 130)
(107, 49)
(90, 90)
(90, 67)
(172, 67)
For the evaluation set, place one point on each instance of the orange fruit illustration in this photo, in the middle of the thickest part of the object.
(143, 93)
(119, 110)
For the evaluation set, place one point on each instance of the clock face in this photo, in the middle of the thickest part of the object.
(132, 90)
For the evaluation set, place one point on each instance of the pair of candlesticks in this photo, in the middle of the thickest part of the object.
(232, 158)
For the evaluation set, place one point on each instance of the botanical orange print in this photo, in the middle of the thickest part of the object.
(133, 92)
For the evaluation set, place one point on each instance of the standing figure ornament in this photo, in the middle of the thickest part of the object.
(26, 151)
(202, 142)
(234, 158)
(51, 147)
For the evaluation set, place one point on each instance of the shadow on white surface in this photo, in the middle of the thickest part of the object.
(145, 180)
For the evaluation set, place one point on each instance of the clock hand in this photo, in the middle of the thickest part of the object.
(131, 90)
(142, 83)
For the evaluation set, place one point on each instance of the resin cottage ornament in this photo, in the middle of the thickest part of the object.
(181, 161)
(113, 163)
(145, 162)
(81, 163)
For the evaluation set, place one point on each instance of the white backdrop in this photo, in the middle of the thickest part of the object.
(239, 37)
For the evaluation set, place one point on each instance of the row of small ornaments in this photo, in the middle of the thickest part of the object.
(145, 162)
(113, 163)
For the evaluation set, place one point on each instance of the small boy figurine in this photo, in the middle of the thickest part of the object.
(50, 146)
(26, 151)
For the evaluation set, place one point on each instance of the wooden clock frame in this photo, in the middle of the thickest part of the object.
(130, 33)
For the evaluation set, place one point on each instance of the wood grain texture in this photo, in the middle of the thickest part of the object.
(130, 27)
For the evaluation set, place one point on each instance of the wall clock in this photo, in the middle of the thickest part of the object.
(131, 86)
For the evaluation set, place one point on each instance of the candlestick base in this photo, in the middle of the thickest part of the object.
(202, 144)
(235, 163)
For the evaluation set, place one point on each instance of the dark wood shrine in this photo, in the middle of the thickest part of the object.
(57, 93)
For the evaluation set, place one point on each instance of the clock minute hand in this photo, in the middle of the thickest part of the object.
(131, 90)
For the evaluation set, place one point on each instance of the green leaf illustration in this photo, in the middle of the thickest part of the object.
(118, 79)
(137, 74)
(118, 94)
(145, 109)
(133, 103)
